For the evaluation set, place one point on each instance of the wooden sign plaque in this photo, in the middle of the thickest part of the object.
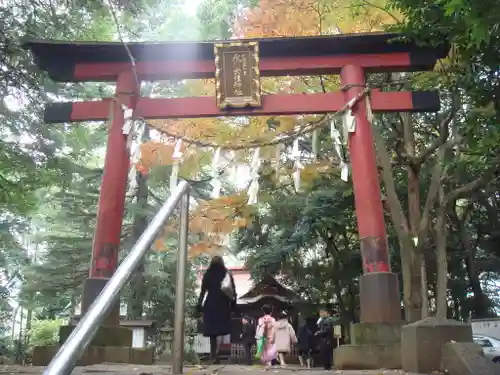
(237, 75)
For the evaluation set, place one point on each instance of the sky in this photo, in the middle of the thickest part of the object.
(191, 5)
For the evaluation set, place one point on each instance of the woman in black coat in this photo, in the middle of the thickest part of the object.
(305, 345)
(217, 306)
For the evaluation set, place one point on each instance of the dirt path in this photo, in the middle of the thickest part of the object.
(124, 369)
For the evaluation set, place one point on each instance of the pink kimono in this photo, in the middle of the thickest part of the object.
(266, 326)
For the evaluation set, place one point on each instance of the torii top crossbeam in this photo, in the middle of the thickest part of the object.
(375, 52)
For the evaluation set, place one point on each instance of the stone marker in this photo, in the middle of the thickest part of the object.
(422, 342)
(466, 359)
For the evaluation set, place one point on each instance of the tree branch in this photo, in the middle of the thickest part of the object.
(443, 133)
(431, 196)
(472, 186)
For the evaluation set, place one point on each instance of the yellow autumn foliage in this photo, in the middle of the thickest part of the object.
(213, 220)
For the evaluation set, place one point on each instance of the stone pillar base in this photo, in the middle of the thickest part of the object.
(376, 333)
(42, 355)
(422, 342)
(380, 301)
(91, 289)
(374, 346)
(368, 357)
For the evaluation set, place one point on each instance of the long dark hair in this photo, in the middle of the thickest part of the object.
(215, 271)
(216, 261)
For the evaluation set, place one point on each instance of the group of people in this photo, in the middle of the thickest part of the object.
(279, 336)
(217, 302)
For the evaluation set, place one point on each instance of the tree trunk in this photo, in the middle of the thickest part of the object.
(411, 250)
(27, 334)
(414, 220)
(480, 304)
(480, 308)
(442, 263)
(411, 281)
(19, 346)
(137, 293)
(425, 290)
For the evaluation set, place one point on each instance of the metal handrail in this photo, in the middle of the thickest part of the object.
(64, 361)
(180, 289)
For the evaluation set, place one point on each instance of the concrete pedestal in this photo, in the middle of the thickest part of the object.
(375, 343)
(422, 342)
(374, 346)
(110, 344)
(42, 355)
(105, 336)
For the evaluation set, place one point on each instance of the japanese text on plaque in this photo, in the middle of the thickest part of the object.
(240, 72)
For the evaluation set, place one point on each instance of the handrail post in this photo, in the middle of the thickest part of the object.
(180, 287)
(65, 359)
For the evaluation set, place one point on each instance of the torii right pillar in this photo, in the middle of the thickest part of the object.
(376, 340)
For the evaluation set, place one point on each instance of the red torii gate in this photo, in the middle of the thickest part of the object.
(350, 55)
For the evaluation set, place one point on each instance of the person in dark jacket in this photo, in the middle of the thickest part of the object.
(325, 334)
(305, 345)
(216, 305)
(247, 338)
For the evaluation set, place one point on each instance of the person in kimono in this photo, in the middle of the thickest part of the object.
(265, 330)
(284, 337)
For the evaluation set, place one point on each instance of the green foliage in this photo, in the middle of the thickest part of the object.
(44, 332)
(474, 32)
(5, 310)
(218, 16)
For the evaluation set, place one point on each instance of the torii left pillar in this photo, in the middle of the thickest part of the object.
(111, 206)
(112, 343)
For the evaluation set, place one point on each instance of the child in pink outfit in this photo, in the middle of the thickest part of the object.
(265, 327)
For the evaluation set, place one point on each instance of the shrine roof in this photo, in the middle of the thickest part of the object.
(268, 287)
(64, 55)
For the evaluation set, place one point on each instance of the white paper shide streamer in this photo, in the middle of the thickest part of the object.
(344, 171)
(253, 189)
(349, 124)
(177, 159)
(279, 148)
(315, 142)
(335, 135)
(216, 182)
(337, 143)
(298, 165)
(134, 136)
(369, 112)
(135, 154)
(128, 120)
(232, 164)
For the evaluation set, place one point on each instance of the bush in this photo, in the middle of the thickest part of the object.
(44, 332)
